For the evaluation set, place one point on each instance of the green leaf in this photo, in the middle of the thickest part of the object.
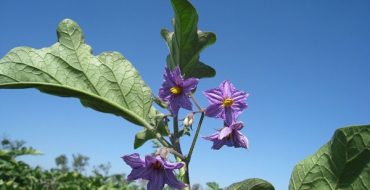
(213, 186)
(251, 184)
(145, 135)
(107, 82)
(342, 163)
(186, 42)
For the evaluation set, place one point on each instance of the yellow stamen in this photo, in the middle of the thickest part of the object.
(228, 102)
(176, 90)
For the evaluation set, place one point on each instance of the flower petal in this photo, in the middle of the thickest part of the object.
(214, 96)
(157, 180)
(237, 125)
(134, 160)
(189, 84)
(171, 180)
(168, 77)
(226, 131)
(149, 160)
(217, 144)
(185, 102)
(165, 94)
(239, 95)
(138, 173)
(239, 106)
(241, 140)
(215, 110)
(229, 116)
(174, 105)
(227, 88)
(172, 166)
(176, 76)
(212, 137)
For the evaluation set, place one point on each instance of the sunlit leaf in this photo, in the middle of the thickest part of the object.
(107, 82)
(342, 163)
(251, 184)
(187, 42)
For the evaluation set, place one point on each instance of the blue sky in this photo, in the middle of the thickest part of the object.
(306, 65)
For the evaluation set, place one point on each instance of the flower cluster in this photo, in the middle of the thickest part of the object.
(227, 103)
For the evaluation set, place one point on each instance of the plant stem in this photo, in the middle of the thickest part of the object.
(185, 172)
(188, 157)
(177, 154)
(195, 102)
(176, 136)
(175, 139)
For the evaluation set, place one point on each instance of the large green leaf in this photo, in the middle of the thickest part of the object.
(251, 184)
(186, 42)
(342, 163)
(107, 82)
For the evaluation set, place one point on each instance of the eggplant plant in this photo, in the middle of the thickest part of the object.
(110, 83)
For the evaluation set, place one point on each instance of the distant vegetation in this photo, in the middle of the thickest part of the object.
(15, 174)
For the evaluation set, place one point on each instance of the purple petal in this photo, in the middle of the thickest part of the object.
(138, 173)
(237, 125)
(149, 160)
(217, 144)
(164, 94)
(214, 96)
(171, 180)
(238, 107)
(189, 84)
(134, 160)
(185, 102)
(176, 76)
(226, 131)
(215, 110)
(157, 180)
(172, 166)
(174, 105)
(230, 142)
(168, 78)
(241, 140)
(239, 95)
(212, 137)
(229, 116)
(227, 88)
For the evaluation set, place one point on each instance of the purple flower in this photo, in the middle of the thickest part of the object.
(175, 90)
(229, 136)
(155, 169)
(226, 102)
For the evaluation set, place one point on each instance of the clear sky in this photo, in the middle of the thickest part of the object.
(306, 65)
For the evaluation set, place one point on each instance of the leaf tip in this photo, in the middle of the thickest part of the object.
(69, 32)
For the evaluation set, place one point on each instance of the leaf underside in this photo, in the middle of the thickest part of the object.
(107, 82)
(342, 163)
(187, 42)
(251, 184)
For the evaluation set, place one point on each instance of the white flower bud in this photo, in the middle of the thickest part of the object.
(189, 119)
(163, 152)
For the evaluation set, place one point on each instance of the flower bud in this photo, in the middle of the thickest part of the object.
(189, 119)
(163, 152)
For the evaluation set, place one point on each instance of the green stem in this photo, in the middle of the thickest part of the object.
(176, 135)
(195, 139)
(195, 102)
